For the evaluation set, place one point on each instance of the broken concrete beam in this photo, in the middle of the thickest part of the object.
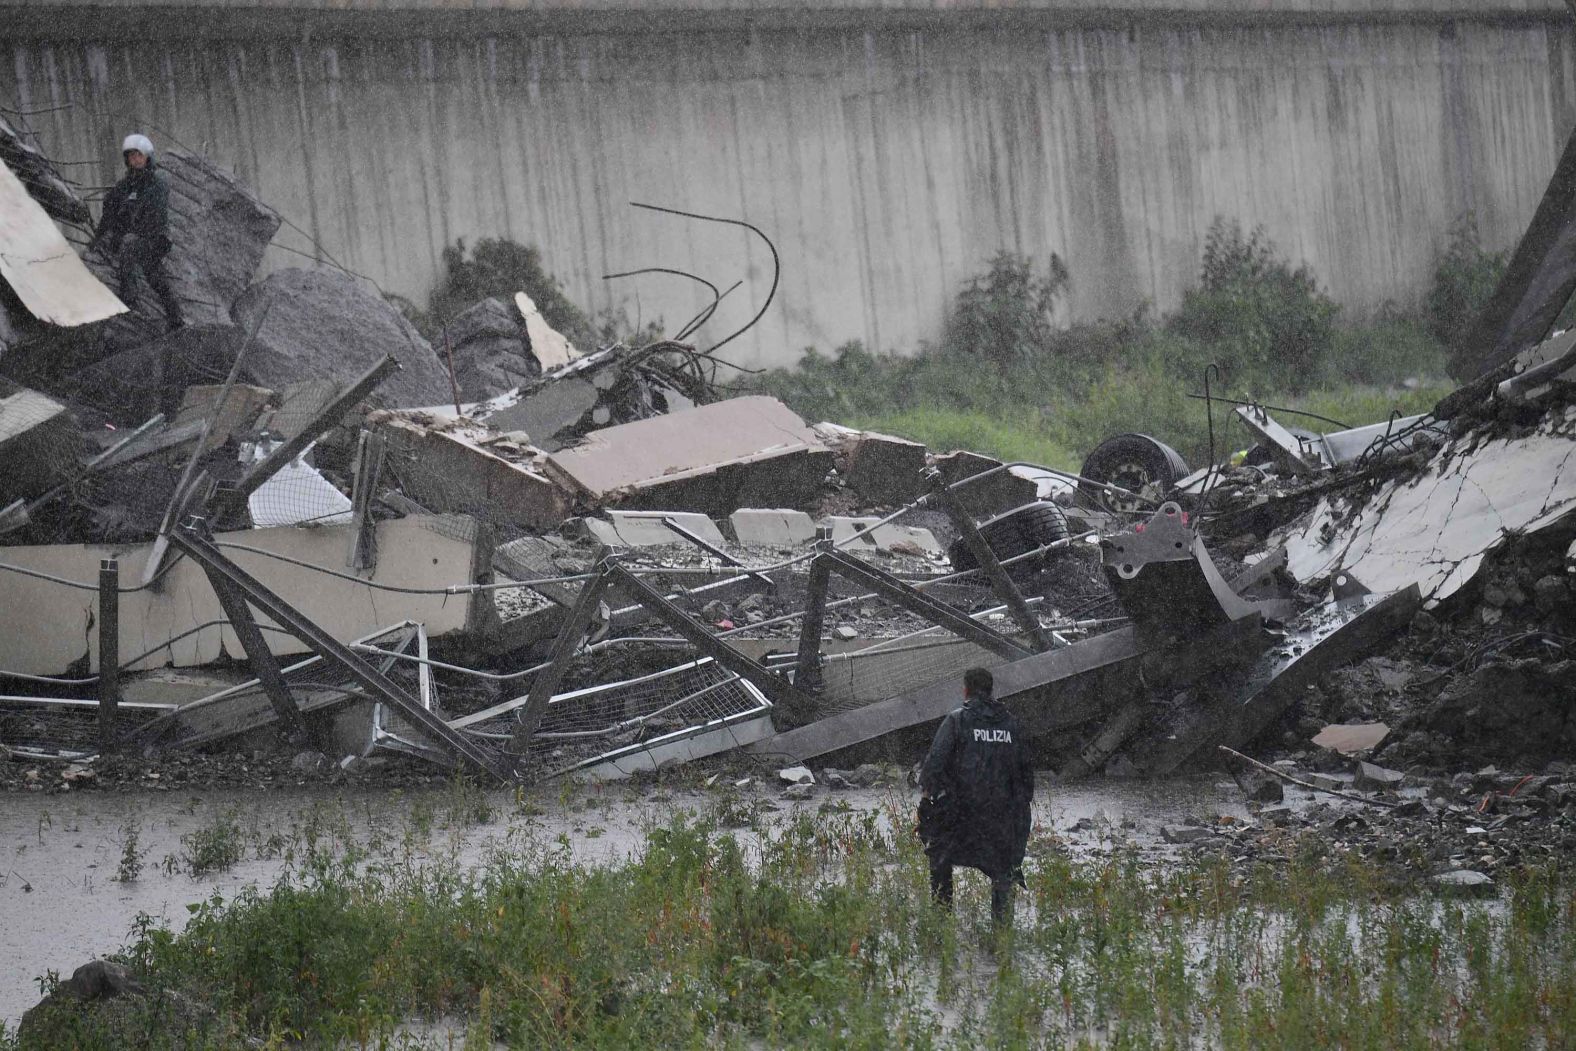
(326, 324)
(39, 443)
(777, 527)
(712, 458)
(650, 528)
(881, 468)
(1321, 641)
(856, 534)
(1048, 692)
(446, 471)
(990, 496)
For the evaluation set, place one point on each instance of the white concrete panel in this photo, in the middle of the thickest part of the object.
(45, 627)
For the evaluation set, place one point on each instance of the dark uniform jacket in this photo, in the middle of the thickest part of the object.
(979, 778)
(139, 205)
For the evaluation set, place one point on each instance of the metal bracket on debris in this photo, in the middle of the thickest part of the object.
(1283, 445)
(1165, 579)
(190, 540)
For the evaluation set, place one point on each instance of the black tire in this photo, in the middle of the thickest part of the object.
(1135, 462)
(1012, 533)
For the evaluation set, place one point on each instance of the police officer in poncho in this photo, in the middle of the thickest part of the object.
(135, 228)
(976, 785)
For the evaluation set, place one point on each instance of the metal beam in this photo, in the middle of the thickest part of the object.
(325, 420)
(548, 680)
(109, 652)
(1005, 589)
(795, 704)
(906, 595)
(264, 664)
(808, 667)
(363, 529)
(191, 542)
(710, 548)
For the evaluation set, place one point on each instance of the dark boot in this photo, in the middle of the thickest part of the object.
(1001, 893)
(941, 885)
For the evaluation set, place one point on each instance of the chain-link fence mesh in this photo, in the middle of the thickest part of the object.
(41, 727)
(588, 724)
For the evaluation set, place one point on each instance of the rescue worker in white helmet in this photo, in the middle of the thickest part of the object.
(134, 229)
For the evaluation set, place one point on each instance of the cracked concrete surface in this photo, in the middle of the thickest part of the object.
(1436, 528)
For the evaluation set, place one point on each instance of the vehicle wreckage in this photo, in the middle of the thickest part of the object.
(598, 564)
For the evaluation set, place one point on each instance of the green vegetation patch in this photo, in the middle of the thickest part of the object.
(817, 931)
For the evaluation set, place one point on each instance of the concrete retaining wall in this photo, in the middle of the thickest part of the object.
(889, 155)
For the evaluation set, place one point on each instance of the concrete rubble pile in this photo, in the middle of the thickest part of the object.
(289, 527)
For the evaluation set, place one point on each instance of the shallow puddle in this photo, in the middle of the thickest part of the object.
(61, 904)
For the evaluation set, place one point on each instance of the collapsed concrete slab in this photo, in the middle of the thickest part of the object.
(1436, 528)
(41, 266)
(712, 458)
(446, 468)
(326, 324)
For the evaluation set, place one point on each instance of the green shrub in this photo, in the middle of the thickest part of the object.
(1262, 320)
(1465, 275)
(496, 266)
(1004, 314)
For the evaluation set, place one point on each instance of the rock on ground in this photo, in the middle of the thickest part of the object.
(490, 351)
(326, 324)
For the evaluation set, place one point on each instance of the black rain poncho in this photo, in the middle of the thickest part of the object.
(980, 783)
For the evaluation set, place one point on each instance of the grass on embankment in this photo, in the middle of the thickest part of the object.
(824, 937)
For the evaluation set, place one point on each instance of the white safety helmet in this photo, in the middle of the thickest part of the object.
(140, 143)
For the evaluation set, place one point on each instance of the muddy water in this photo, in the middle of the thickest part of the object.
(61, 904)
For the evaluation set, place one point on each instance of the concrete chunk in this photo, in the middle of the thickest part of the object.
(650, 529)
(991, 496)
(1372, 778)
(775, 527)
(881, 468)
(887, 538)
(447, 471)
(713, 458)
(324, 324)
(1354, 737)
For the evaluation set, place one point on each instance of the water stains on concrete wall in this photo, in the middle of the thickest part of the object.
(888, 162)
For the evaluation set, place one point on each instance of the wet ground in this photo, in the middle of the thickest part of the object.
(61, 903)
